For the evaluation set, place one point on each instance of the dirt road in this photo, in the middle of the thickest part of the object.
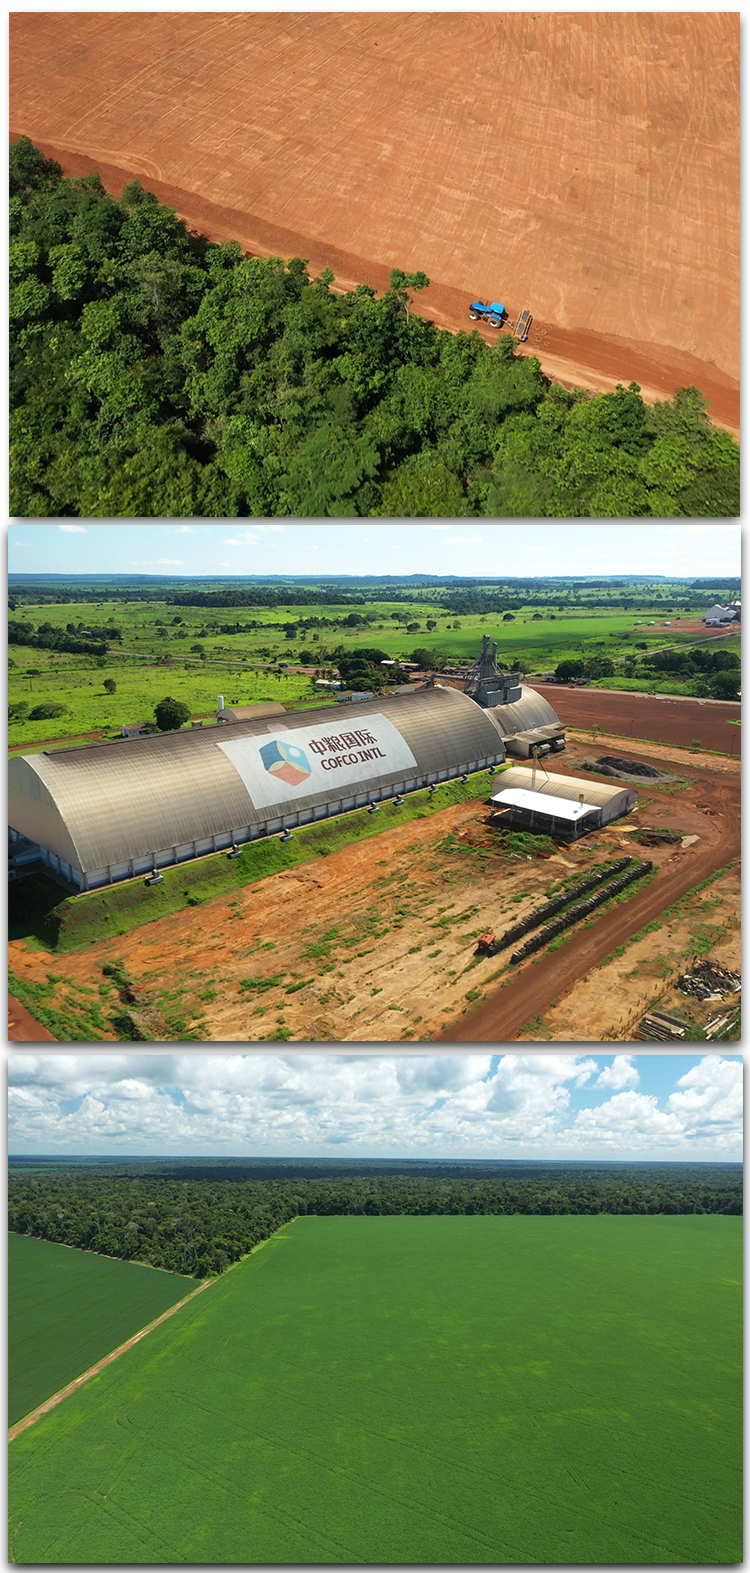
(545, 978)
(22, 1026)
(584, 166)
(65, 1392)
(663, 718)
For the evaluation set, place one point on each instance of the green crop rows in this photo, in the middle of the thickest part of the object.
(67, 1309)
(415, 1390)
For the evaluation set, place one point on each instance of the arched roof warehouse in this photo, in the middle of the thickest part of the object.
(113, 810)
(611, 800)
(525, 714)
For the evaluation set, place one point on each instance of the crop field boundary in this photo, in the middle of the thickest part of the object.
(65, 1392)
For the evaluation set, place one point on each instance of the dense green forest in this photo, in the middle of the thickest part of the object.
(197, 1216)
(154, 373)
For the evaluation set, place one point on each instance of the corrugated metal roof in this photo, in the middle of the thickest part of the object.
(594, 792)
(558, 807)
(264, 707)
(530, 711)
(106, 803)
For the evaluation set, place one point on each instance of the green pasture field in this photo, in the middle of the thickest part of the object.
(402, 1390)
(245, 666)
(67, 1309)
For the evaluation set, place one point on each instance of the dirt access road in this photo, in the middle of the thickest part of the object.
(23, 1027)
(583, 166)
(663, 718)
(545, 978)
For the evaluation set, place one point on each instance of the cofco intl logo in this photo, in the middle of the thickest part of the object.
(285, 762)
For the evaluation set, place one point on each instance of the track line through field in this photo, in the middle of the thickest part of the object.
(57, 1398)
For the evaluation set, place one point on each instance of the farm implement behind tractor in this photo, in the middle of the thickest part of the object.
(495, 315)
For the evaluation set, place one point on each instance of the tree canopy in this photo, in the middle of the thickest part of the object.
(171, 714)
(155, 373)
(197, 1216)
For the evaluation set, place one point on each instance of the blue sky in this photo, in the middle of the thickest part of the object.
(464, 548)
(645, 1107)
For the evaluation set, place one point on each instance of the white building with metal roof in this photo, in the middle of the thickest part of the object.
(531, 799)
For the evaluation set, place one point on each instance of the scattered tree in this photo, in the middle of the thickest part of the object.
(171, 714)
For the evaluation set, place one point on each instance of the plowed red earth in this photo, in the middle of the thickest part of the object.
(584, 166)
(546, 978)
(665, 718)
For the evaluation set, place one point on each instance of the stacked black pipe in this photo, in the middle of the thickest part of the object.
(582, 910)
(556, 904)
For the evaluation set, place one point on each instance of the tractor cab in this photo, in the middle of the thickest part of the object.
(493, 314)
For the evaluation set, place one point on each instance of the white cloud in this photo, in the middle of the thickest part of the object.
(621, 1073)
(430, 1104)
(170, 562)
(73, 529)
(629, 1120)
(184, 529)
(464, 540)
(712, 1100)
(241, 540)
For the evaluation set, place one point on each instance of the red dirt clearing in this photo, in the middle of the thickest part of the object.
(665, 718)
(583, 166)
(548, 977)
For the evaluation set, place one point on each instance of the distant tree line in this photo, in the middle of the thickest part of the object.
(154, 373)
(198, 1217)
(45, 637)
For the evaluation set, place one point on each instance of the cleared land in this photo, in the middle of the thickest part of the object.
(375, 941)
(583, 166)
(416, 1390)
(662, 718)
(67, 1309)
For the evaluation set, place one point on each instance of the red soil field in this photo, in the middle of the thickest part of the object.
(534, 988)
(583, 166)
(665, 718)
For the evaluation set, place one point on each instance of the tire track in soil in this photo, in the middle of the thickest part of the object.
(65, 1392)
(532, 991)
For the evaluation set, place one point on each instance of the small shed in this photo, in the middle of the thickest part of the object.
(249, 712)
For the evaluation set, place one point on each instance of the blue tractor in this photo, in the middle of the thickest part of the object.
(493, 314)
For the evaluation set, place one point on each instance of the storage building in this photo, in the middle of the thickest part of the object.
(111, 811)
(533, 800)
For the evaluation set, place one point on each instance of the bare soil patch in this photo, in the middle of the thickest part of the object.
(610, 1001)
(708, 811)
(376, 942)
(585, 166)
(23, 1027)
(664, 718)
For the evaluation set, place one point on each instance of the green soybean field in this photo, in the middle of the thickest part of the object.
(67, 1309)
(402, 1390)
